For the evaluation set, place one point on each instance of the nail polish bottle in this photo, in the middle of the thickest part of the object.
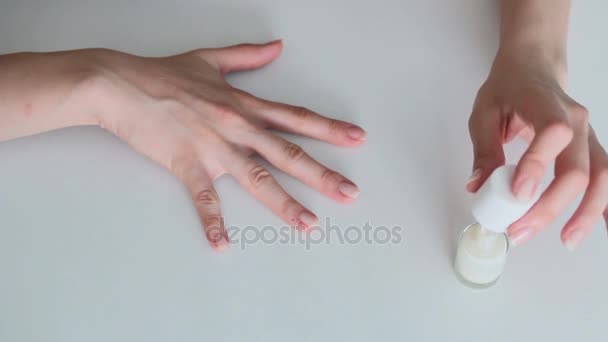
(483, 246)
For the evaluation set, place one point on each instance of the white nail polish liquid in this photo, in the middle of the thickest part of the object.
(481, 256)
(483, 246)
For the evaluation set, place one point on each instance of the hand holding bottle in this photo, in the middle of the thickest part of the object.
(525, 96)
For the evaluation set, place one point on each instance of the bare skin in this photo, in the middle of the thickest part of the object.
(181, 113)
(525, 95)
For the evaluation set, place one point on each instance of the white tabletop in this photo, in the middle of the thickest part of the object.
(99, 244)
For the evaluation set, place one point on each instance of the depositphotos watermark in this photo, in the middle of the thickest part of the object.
(323, 233)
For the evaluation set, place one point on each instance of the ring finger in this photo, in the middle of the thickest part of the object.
(261, 184)
(291, 159)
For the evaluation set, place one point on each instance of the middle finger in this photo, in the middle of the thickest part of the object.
(291, 159)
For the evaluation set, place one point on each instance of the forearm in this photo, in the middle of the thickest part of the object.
(41, 92)
(536, 31)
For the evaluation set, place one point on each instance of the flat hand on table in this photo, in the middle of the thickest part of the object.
(180, 112)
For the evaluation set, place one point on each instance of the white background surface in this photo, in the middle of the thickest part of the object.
(99, 244)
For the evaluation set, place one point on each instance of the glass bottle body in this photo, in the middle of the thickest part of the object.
(481, 256)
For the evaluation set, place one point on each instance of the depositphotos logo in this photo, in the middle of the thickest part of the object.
(323, 233)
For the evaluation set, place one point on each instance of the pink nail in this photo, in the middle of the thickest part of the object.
(356, 133)
(474, 176)
(349, 190)
(520, 236)
(525, 189)
(574, 239)
(308, 219)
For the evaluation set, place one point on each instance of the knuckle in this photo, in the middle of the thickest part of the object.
(302, 113)
(289, 206)
(212, 221)
(534, 160)
(330, 176)
(560, 129)
(225, 111)
(258, 176)
(227, 114)
(334, 126)
(206, 197)
(579, 178)
(293, 151)
(581, 113)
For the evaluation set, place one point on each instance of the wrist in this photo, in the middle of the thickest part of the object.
(535, 58)
(39, 93)
(104, 97)
(92, 99)
(536, 32)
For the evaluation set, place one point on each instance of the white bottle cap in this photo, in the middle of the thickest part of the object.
(494, 205)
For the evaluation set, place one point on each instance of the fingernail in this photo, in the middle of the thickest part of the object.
(309, 219)
(218, 240)
(574, 239)
(521, 236)
(349, 190)
(356, 133)
(474, 176)
(525, 190)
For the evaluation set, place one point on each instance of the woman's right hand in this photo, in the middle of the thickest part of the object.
(180, 112)
(524, 96)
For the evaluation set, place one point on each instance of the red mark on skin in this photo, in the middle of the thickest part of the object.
(27, 111)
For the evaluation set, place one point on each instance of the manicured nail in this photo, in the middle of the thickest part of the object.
(521, 236)
(525, 190)
(356, 133)
(574, 239)
(474, 176)
(349, 190)
(309, 219)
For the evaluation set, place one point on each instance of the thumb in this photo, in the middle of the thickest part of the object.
(243, 56)
(486, 134)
